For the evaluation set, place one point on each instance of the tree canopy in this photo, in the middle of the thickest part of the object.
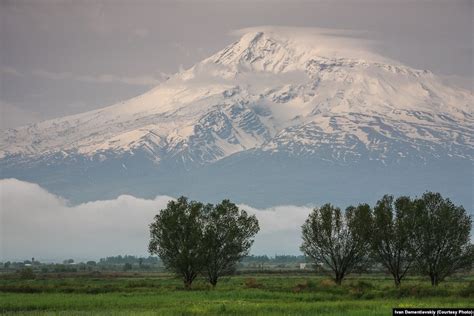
(392, 235)
(176, 237)
(442, 238)
(228, 234)
(337, 240)
(192, 238)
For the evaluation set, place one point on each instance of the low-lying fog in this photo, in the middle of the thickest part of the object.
(36, 223)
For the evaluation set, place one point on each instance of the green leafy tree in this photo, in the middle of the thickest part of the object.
(393, 232)
(228, 234)
(176, 237)
(442, 239)
(338, 241)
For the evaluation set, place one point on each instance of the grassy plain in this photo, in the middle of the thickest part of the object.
(253, 294)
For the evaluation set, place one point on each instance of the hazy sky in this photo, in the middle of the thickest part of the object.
(64, 57)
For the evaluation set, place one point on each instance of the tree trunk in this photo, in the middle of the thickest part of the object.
(212, 277)
(187, 284)
(188, 280)
(397, 280)
(339, 277)
(434, 280)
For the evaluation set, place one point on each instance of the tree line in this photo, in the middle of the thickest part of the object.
(428, 235)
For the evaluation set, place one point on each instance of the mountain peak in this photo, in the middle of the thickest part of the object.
(256, 51)
(298, 44)
(273, 88)
(288, 49)
(291, 100)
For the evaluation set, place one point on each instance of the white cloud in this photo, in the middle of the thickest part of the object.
(141, 32)
(279, 218)
(144, 80)
(328, 42)
(36, 223)
(280, 228)
(10, 71)
(13, 116)
(464, 82)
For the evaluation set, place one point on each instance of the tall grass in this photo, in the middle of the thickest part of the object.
(240, 295)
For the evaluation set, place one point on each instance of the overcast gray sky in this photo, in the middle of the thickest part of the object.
(65, 57)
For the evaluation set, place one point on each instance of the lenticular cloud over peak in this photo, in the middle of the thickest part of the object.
(329, 43)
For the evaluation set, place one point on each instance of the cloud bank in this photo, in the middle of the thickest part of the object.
(144, 80)
(13, 116)
(36, 223)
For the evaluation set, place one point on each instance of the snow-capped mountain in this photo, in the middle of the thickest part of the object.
(276, 92)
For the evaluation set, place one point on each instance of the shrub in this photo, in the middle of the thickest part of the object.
(360, 289)
(326, 283)
(19, 289)
(361, 284)
(467, 291)
(27, 274)
(251, 283)
(306, 285)
(419, 290)
(300, 287)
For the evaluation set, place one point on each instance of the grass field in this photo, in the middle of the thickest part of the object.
(258, 294)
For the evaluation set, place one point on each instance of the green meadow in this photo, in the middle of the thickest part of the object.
(251, 294)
